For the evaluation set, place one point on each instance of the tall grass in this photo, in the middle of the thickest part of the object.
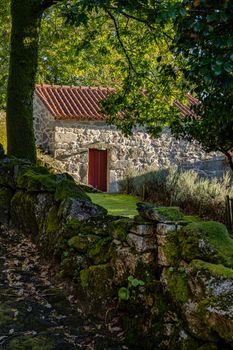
(186, 189)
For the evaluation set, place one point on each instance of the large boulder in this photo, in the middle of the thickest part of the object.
(209, 241)
(80, 209)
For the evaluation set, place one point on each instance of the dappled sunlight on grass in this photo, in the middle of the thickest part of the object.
(116, 204)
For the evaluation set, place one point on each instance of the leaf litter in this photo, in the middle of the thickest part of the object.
(26, 282)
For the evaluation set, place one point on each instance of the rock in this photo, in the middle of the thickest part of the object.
(36, 179)
(141, 244)
(82, 242)
(119, 229)
(148, 212)
(6, 195)
(68, 188)
(209, 241)
(159, 214)
(100, 253)
(10, 169)
(23, 212)
(143, 230)
(96, 283)
(124, 263)
(80, 209)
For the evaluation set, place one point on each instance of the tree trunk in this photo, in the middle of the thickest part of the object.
(26, 19)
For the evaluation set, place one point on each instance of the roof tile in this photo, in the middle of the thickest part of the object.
(73, 102)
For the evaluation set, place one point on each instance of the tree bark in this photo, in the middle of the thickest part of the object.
(26, 19)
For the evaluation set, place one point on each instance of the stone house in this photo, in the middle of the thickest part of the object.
(69, 124)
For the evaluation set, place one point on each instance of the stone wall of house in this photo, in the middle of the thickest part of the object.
(135, 154)
(43, 123)
(69, 141)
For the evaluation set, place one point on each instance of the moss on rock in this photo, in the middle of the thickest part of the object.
(9, 170)
(23, 212)
(209, 241)
(99, 253)
(97, 281)
(170, 249)
(82, 242)
(216, 270)
(177, 284)
(68, 188)
(170, 213)
(32, 343)
(119, 229)
(37, 179)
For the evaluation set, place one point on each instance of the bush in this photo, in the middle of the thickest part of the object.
(186, 189)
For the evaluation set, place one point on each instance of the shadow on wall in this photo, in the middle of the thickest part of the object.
(213, 167)
(195, 189)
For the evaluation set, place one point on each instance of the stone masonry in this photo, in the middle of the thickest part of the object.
(70, 140)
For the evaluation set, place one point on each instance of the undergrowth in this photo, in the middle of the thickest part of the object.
(186, 189)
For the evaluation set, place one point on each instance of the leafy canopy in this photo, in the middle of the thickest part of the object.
(204, 39)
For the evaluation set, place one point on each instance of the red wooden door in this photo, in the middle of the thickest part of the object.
(97, 169)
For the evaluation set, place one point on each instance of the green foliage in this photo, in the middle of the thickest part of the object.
(33, 343)
(204, 41)
(124, 292)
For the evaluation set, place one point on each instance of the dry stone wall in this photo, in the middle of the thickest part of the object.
(170, 281)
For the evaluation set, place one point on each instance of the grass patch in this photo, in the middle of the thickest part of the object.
(116, 204)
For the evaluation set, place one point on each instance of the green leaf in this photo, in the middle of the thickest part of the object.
(217, 69)
(228, 67)
(130, 278)
(123, 293)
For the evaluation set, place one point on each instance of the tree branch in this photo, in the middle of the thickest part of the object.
(120, 40)
(48, 3)
(228, 155)
(146, 22)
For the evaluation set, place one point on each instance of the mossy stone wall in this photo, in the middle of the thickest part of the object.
(179, 294)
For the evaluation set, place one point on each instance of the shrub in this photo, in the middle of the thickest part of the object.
(186, 189)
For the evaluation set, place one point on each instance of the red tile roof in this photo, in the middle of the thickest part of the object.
(73, 102)
(83, 102)
(186, 110)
